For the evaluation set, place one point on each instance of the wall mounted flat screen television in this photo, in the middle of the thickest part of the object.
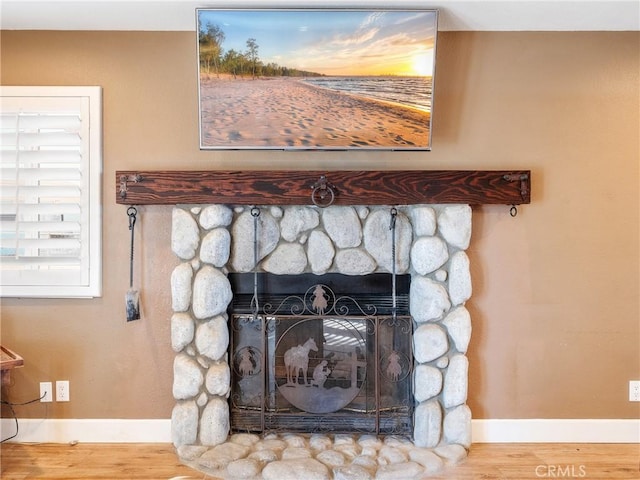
(316, 79)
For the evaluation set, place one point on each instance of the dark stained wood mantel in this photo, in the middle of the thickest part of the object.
(294, 187)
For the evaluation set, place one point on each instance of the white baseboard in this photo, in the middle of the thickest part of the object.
(483, 431)
(87, 430)
(543, 430)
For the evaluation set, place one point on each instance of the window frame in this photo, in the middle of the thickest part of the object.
(92, 167)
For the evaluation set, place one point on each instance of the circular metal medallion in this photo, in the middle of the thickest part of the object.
(321, 363)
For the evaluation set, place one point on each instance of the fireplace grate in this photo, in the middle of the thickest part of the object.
(374, 289)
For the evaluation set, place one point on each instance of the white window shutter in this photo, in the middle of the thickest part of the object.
(50, 212)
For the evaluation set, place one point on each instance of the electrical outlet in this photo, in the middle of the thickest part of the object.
(634, 390)
(46, 392)
(62, 391)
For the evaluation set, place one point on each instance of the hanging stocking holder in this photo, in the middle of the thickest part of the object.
(255, 307)
(132, 297)
(392, 227)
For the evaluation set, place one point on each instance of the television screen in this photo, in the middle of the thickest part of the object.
(316, 79)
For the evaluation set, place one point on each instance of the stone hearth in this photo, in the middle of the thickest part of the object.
(214, 240)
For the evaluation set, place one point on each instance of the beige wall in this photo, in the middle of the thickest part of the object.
(556, 290)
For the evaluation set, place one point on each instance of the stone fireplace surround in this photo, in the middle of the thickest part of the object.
(213, 240)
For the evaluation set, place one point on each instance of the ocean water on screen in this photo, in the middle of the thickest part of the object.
(414, 92)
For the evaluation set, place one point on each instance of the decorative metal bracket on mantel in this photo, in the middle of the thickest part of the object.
(342, 187)
(124, 179)
(524, 182)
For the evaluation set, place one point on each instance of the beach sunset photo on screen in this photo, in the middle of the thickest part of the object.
(316, 79)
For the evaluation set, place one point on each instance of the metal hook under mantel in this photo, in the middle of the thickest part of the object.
(323, 192)
(524, 188)
(123, 183)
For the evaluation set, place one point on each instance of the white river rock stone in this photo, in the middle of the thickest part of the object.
(458, 323)
(459, 278)
(244, 468)
(454, 224)
(351, 472)
(222, 455)
(184, 423)
(442, 362)
(181, 278)
(392, 454)
(276, 212)
(342, 224)
(428, 254)
(286, 259)
(216, 247)
(187, 377)
(457, 426)
(214, 216)
(400, 471)
(297, 220)
(292, 453)
(211, 292)
(451, 453)
(185, 234)
(295, 440)
(424, 221)
(354, 261)
(182, 330)
(331, 458)
(296, 469)
(218, 379)
(363, 212)
(212, 338)
(427, 424)
(366, 461)
(428, 300)
(320, 442)
(264, 456)
(214, 422)
(427, 382)
(455, 381)
(190, 452)
(202, 399)
(431, 462)
(247, 439)
(320, 252)
(429, 342)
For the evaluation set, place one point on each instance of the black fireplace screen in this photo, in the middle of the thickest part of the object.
(321, 362)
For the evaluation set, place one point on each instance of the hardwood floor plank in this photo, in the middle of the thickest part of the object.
(92, 461)
(86, 461)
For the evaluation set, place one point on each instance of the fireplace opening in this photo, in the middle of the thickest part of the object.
(317, 354)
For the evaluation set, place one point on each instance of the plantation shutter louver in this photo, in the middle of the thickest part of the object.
(50, 164)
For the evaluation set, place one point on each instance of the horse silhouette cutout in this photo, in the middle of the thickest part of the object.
(297, 359)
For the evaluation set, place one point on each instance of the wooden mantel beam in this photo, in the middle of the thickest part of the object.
(295, 187)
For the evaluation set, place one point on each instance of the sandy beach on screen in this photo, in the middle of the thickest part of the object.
(288, 113)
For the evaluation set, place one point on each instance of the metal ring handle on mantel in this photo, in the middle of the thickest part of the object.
(323, 193)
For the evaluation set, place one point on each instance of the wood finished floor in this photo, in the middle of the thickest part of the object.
(88, 461)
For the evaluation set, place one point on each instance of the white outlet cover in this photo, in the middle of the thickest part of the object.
(62, 391)
(46, 392)
(634, 390)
